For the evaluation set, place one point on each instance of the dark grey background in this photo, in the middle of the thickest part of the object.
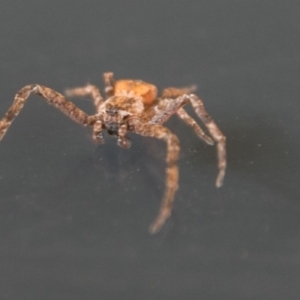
(74, 216)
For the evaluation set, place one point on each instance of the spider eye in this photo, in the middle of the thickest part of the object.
(112, 111)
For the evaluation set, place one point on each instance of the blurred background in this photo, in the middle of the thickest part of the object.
(74, 216)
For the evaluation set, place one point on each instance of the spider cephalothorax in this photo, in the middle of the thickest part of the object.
(133, 106)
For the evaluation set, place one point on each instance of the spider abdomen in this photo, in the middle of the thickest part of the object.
(136, 88)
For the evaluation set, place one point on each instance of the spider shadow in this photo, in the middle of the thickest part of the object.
(113, 179)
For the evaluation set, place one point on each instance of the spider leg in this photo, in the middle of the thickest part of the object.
(86, 91)
(109, 83)
(166, 108)
(172, 92)
(216, 134)
(94, 93)
(52, 97)
(191, 122)
(171, 183)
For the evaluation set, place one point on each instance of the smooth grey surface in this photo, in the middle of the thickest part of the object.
(74, 216)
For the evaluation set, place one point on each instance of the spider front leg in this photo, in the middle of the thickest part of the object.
(52, 97)
(172, 174)
(216, 134)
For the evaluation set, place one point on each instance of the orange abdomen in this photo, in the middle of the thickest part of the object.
(147, 91)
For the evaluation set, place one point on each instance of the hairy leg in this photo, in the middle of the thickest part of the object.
(86, 91)
(52, 97)
(169, 106)
(94, 93)
(216, 134)
(191, 122)
(166, 108)
(172, 174)
(172, 92)
(109, 83)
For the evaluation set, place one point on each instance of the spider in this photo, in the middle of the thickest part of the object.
(133, 106)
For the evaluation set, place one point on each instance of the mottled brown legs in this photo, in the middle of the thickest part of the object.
(172, 92)
(160, 132)
(52, 97)
(173, 99)
(177, 99)
(191, 122)
(94, 93)
(216, 134)
(109, 83)
(87, 91)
